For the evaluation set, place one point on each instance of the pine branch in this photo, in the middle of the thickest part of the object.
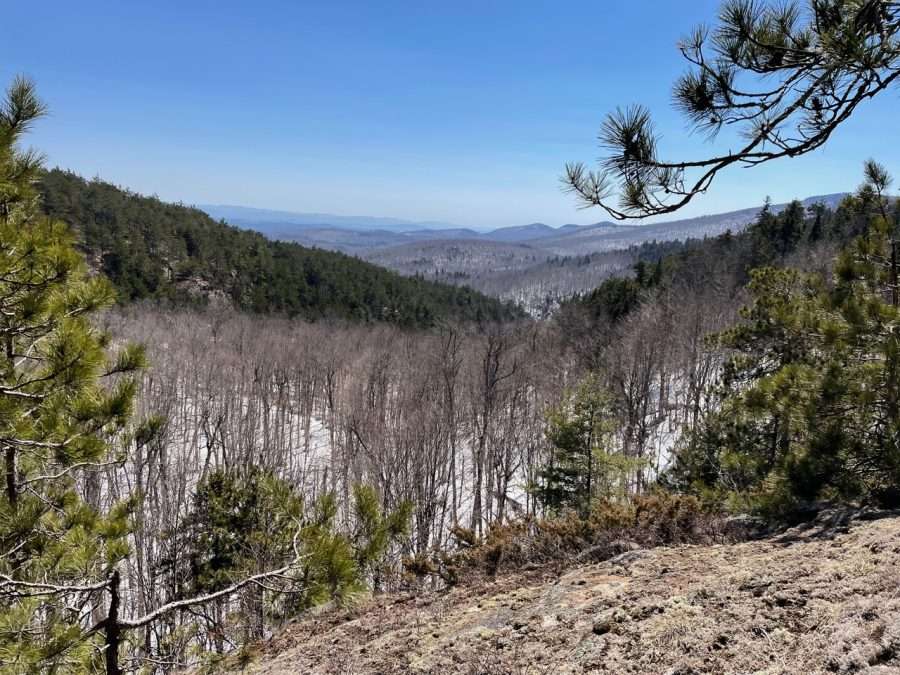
(41, 589)
(825, 68)
(202, 599)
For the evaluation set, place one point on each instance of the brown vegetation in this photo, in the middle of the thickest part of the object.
(816, 599)
(611, 529)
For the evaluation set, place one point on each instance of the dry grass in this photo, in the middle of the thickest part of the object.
(810, 601)
(657, 519)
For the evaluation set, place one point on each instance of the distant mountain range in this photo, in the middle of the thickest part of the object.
(607, 236)
(283, 224)
(362, 235)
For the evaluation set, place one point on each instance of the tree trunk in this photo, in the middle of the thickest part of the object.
(12, 494)
(111, 628)
(894, 290)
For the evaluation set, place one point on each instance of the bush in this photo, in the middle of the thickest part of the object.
(664, 518)
(610, 528)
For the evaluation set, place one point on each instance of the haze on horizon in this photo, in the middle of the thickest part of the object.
(463, 114)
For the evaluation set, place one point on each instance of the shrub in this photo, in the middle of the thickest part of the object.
(610, 528)
(665, 518)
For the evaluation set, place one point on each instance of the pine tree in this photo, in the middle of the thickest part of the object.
(247, 522)
(376, 530)
(792, 226)
(581, 465)
(241, 524)
(62, 397)
(811, 405)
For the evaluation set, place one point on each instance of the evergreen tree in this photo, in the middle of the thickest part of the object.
(764, 236)
(245, 523)
(240, 525)
(581, 465)
(57, 547)
(775, 236)
(792, 227)
(811, 406)
(817, 227)
(376, 530)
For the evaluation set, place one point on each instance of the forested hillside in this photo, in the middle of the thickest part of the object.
(151, 249)
(807, 237)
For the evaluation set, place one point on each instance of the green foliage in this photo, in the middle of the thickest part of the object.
(784, 74)
(239, 524)
(252, 521)
(340, 565)
(151, 249)
(330, 570)
(613, 300)
(581, 466)
(728, 259)
(375, 530)
(56, 418)
(811, 406)
(774, 236)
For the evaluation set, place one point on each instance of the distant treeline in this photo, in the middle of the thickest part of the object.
(151, 249)
(728, 259)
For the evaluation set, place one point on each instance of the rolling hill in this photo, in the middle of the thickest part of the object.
(610, 236)
(364, 235)
(287, 223)
(155, 250)
(536, 269)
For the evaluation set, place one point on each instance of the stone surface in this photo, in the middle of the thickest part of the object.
(821, 598)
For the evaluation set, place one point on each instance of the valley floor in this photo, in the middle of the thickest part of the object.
(823, 598)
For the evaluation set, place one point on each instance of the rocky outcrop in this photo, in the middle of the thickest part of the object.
(820, 598)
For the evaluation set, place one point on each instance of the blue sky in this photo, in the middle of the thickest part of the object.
(457, 111)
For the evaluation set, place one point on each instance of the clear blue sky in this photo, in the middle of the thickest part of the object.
(457, 111)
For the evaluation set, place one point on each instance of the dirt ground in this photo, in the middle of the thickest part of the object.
(822, 598)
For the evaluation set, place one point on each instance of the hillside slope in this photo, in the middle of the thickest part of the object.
(152, 249)
(610, 236)
(816, 599)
